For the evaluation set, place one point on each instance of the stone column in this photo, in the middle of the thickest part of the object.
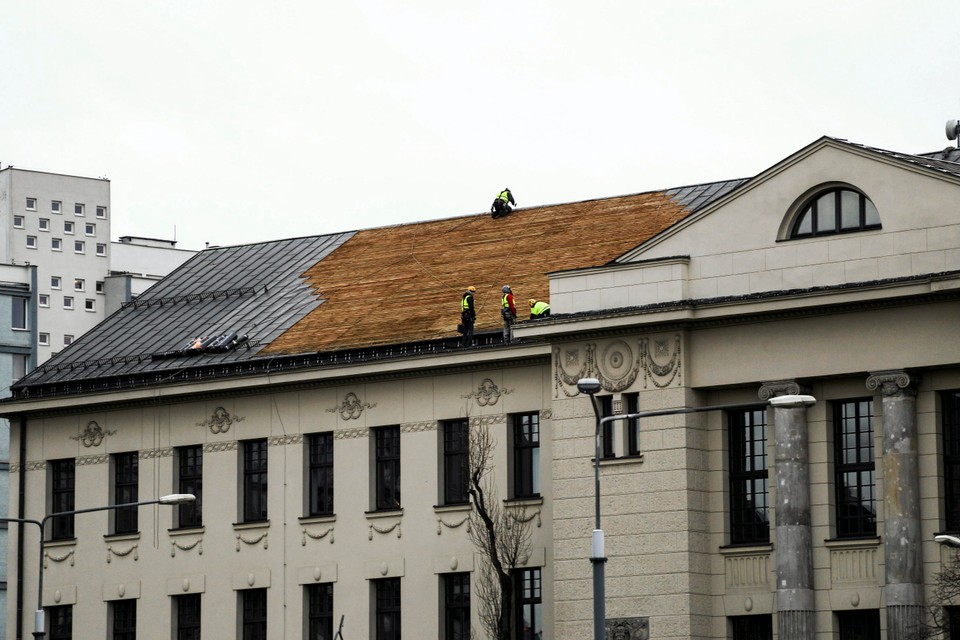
(901, 503)
(794, 547)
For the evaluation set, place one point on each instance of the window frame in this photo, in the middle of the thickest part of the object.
(388, 609)
(56, 244)
(950, 430)
(319, 609)
(79, 247)
(746, 467)
(101, 212)
(320, 474)
(43, 339)
(456, 605)
(90, 304)
(528, 596)
(19, 313)
(608, 442)
(255, 459)
(387, 495)
(56, 206)
(126, 488)
(253, 606)
(811, 205)
(31, 204)
(43, 300)
(456, 461)
(63, 495)
(190, 480)
(68, 339)
(850, 525)
(68, 302)
(69, 227)
(32, 242)
(189, 612)
(79, 209)
(525, 432)
(858, 624)
(56, 282)
(124, 618)
(753, 627)
(60, 622)
(101, 249)
(19, 222)
(89, 229)
(43, 224)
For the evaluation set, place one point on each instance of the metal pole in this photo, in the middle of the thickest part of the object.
(597, 551)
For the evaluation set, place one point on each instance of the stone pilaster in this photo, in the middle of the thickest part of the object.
(794, 546)
(901, 502)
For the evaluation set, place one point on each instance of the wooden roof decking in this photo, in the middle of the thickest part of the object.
(404, 283)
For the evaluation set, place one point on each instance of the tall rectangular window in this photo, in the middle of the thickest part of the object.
(387, 596)
(254, 614)
(19, 319)
(749, 506)
(631, 404)
(529, 605)
(190, 480)
(456, 461)
(124, 619)
(854, 469)
(608, 445)
(62, 486)
(526, 455)
(387, 454)
(125, 489)
(456, 606)
(255, 480)
(752, 627)
(859, 625)
(321, 474)
(950, 416)
(60, 622)
(320, 611)
(188, 616)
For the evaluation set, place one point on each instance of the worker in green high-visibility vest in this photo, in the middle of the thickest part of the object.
(539, 309)
(501, 205)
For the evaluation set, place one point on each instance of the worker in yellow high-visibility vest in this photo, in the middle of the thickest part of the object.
(468, 316)
(539, 309)
(501, 205)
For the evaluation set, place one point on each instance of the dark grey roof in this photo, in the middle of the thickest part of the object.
(697, 196)
(928, 161)
(255, 290)
(950, 154)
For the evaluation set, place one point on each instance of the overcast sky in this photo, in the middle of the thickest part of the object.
(237, 121)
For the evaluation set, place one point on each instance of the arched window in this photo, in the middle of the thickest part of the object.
(837, 210)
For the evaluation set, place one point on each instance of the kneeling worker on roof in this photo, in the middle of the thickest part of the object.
(539, 309)
(501, 205)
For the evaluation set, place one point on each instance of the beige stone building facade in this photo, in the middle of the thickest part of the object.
(324, 468)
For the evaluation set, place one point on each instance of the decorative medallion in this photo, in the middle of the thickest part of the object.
(220, 421)
(93, 435)
(617, 369)
(661, 375)
(351, 407)
(628, 628)
(487, 394)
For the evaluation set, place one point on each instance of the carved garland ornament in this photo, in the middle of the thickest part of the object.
(449, 525)
(616, 367)
(220, 421)
(93, 435)
(174, 545)
(316, 536)
(122, 554)
(351, 407)
(48, 556)
(487, 394)
(253, 541)
(384, 530)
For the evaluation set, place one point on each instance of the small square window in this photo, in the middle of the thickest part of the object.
(68, 302)
(99, 286)
(67, 340)
(54, 282)
(31, 204)
(101, 249)
(68, 227)
(90, 304)
(102, 212)
(18, 222)
(44, 224)
(78, 209)
(79, 246)
(31, 242)
(43, 300)
(90, 229)
(79, 284)
(56, 244)
(55, 207)
(44, 339)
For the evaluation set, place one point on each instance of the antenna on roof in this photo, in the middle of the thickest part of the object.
(953, 131)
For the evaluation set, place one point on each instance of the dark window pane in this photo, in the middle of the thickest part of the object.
(529, 601)
(854, 469)
(835, 211)
(321, 474)
(125, 490)
(188, 616)
(950, 407)
(752, 627)
(749, 509)
(63, 480)
(456, 461)
(859, 625)
(320, 611)
(526, 455)
(124, 619)
(456, 606)
(388, 609)
(60, 622)
(254, 609)
(632, 402)
(387, 468)
(607, 444)
(191, 481)
(255, 481)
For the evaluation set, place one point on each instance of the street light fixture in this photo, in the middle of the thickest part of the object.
(39, 620)
(592, 386)
(947, 540)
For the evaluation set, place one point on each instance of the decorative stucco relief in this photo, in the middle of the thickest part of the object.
(148, 454)
(892, 383)
(220, 421)
(88, 460)
(617, 366)
(347, 434)
(384, 530)
(176, 544)
(214, 447)
(487, 394)
(315, 536)
(252, 541)
(351, 408)
(413, 427)
(93, 435)
(486, 421)
(49, 556)
(441, 523)
(132, 549)
(279, 441)
(628, 628)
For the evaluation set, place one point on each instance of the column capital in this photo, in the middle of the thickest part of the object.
(893, 382)
(776, 388)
